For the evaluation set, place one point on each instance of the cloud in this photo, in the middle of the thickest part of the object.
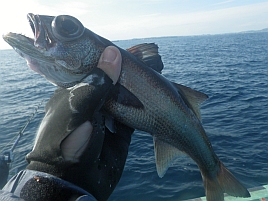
(234, 19)
(121, 19)
(74, 8)
(223, 2)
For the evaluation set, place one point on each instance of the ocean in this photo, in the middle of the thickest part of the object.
(232, 69)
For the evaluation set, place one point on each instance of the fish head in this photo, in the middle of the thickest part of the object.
(62, 49)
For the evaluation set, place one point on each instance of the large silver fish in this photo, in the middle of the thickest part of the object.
(65, 53)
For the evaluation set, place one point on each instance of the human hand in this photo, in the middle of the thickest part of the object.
(72, 142)
(110, 63)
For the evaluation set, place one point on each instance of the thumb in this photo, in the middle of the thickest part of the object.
(110, 62)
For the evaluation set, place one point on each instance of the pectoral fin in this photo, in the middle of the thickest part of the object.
(165, 154)
(192, 98)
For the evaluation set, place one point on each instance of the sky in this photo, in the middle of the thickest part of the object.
(127, 19)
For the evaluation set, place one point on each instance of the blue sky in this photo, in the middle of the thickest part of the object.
(126, 19)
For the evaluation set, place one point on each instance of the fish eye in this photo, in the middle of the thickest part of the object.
(67, 28)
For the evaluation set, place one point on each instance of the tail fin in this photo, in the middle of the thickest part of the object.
(230, 184)
(224, 182)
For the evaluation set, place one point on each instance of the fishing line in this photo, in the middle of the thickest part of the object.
(21, 132)
(6, 157)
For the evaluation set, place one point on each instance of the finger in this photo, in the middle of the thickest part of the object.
(110, 62)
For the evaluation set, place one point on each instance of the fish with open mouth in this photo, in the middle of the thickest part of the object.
(65, 53)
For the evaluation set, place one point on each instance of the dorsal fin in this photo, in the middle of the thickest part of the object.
(148, 53)
(165, 154)
(192, 98)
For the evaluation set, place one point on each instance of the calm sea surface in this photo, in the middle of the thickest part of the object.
(231, 69)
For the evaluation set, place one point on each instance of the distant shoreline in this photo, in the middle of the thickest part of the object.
(241, 32)
(255, 31)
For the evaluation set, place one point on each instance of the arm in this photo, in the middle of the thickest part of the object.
(72, 142)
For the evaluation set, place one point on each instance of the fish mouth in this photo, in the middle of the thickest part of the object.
(35, 24)
(43, 40)
(40, 51)
(32, 49)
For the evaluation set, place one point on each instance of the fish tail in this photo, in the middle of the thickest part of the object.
(224, 182)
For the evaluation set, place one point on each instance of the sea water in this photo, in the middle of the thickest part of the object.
(232, 69)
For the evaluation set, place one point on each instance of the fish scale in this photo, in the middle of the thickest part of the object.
(156, 115)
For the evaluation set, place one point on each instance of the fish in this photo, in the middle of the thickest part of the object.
(66, 53)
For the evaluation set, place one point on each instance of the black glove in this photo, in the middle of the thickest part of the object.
(96, 159)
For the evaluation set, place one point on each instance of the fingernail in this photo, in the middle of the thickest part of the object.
(109, 55)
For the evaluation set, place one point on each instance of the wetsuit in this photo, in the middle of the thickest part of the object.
(94, 175)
